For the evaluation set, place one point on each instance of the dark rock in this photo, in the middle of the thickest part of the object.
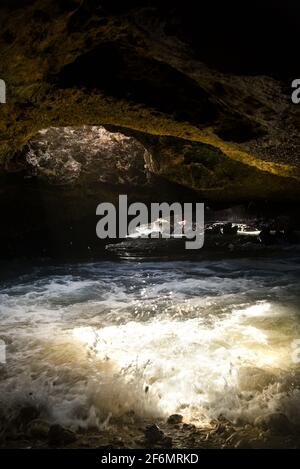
(228, 229)
(275, 422)
(188, 426)
(153, 434)
(266, 237)
(243, 444)
(59, 436)
(175, 419)
(38, 429)
(167, 442)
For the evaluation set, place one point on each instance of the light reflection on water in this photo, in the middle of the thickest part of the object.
(203, 339)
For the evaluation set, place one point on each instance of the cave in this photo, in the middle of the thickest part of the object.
(132, 340)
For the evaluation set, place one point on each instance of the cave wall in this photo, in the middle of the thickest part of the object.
(207, 99)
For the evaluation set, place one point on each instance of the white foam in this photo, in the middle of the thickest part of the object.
(92, 348)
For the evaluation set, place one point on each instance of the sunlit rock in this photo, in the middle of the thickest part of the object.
(75, 154)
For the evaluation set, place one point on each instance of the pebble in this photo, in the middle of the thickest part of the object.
(153, 434)
(167, 442)
(243, 444)
(59, 435)
(175, 419)
(38, 429)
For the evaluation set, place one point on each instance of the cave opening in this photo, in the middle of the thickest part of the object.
(57, 180)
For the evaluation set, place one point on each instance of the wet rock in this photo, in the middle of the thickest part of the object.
(221, 428)
(231, 438)
(266, 237)
(243, 444)
(38, 429)
(167, 442)
(191, 441)
(153, 434)
(228, 229)
(188, 426)
(59, 435)
(276, 423)
(174, 419)
(256, 443)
